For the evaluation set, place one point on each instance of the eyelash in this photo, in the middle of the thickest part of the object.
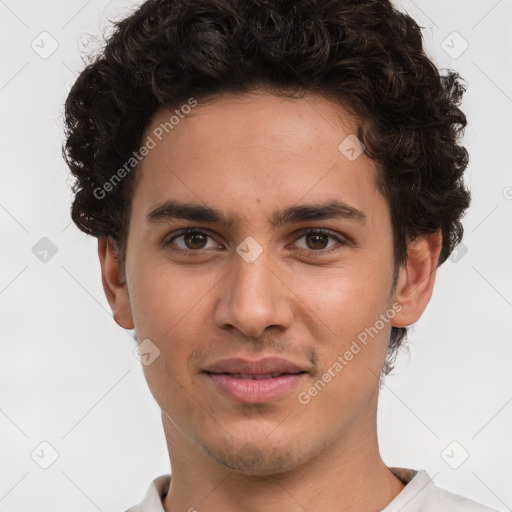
(313, 231)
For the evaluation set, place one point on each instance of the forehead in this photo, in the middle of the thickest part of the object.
(246, 152)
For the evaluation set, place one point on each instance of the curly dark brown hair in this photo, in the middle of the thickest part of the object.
(364, 54)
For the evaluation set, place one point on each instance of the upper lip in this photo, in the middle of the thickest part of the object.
(256, 367)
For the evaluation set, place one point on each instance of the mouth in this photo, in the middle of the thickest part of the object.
(255, 376)
(254, 388)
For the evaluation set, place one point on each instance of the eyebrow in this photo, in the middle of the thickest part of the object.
(335, 209)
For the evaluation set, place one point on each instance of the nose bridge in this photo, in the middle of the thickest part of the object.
(253, 297)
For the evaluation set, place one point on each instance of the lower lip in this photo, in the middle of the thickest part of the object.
(253, 391)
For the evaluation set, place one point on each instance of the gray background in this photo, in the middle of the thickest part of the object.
(68, 376)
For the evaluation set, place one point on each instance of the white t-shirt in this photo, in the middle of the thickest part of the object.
(419, 495)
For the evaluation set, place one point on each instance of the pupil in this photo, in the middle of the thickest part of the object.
(316, 237)
(195, 240)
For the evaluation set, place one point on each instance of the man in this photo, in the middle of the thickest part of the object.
(273, 186)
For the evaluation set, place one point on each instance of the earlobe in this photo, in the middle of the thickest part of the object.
(114, 285)
(416, 279)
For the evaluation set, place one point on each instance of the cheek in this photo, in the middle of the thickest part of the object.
(351, 351)
(165, 298)
(345, 299)
(341, 310)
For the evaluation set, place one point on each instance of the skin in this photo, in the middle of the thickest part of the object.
(248, 155)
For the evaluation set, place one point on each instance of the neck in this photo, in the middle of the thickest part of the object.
(348, 474)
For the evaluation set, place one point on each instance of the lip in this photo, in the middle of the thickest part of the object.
(253, 391)
(227, 376)
(254, 367)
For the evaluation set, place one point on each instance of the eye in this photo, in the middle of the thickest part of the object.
(317, 240)
(192, 240)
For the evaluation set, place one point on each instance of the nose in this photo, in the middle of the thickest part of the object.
(254, 297)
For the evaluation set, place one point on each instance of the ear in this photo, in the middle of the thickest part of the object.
(114, 285)
(415, 281)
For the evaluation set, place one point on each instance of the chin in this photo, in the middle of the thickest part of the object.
(251, 459)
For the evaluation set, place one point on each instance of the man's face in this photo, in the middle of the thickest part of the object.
(306, 298)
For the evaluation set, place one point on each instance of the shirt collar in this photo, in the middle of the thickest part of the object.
(156, 493)
(411, 497)
(414, 493)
